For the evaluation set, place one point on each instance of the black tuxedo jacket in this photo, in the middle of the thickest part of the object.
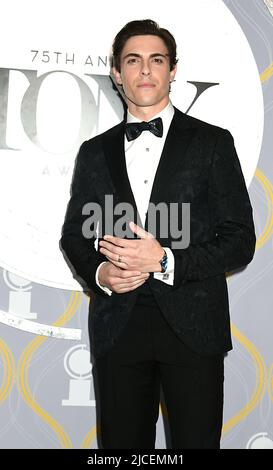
(198, 165)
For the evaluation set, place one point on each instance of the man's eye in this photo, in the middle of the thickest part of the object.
(158, 60)
(132, 61)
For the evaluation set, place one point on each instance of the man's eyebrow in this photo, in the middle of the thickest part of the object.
(159, 54)
(155, 54)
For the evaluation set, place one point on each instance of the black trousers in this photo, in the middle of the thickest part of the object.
(127, 384)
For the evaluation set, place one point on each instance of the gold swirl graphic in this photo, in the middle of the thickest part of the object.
(267, 73)
(268, 229)
(23, 368)
(270, 383)
(260, 385)
(90, 438)
(8, 370)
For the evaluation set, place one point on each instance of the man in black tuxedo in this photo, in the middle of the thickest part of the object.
(159, 311)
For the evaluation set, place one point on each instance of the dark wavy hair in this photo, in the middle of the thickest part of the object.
(140, 28)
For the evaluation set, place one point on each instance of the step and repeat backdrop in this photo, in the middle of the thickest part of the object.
(55, 92)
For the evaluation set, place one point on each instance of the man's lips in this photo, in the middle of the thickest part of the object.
(146, 85)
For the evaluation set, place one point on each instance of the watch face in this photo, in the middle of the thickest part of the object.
(164, 263)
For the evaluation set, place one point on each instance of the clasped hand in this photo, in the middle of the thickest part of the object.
(131, 261)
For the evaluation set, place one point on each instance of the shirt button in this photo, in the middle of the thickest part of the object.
(147, 149)
(145, 181)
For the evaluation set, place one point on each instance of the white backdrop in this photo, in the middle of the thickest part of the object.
(58, 94)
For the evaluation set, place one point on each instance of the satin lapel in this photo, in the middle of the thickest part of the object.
(177, 141)
(113, 144)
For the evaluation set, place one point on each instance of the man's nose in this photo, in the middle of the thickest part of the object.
(145, 69)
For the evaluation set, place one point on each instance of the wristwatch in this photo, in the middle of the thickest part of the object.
(164, 262)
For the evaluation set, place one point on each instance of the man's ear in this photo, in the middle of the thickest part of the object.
(172, 73)
(116, 75)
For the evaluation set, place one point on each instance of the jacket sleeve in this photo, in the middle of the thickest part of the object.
(80, 252)
(233, 242)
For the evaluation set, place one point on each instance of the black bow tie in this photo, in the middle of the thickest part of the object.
(134, 129)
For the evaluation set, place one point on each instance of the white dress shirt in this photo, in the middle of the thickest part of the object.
(142, 157)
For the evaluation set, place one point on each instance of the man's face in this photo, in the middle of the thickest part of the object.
(145, 72)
